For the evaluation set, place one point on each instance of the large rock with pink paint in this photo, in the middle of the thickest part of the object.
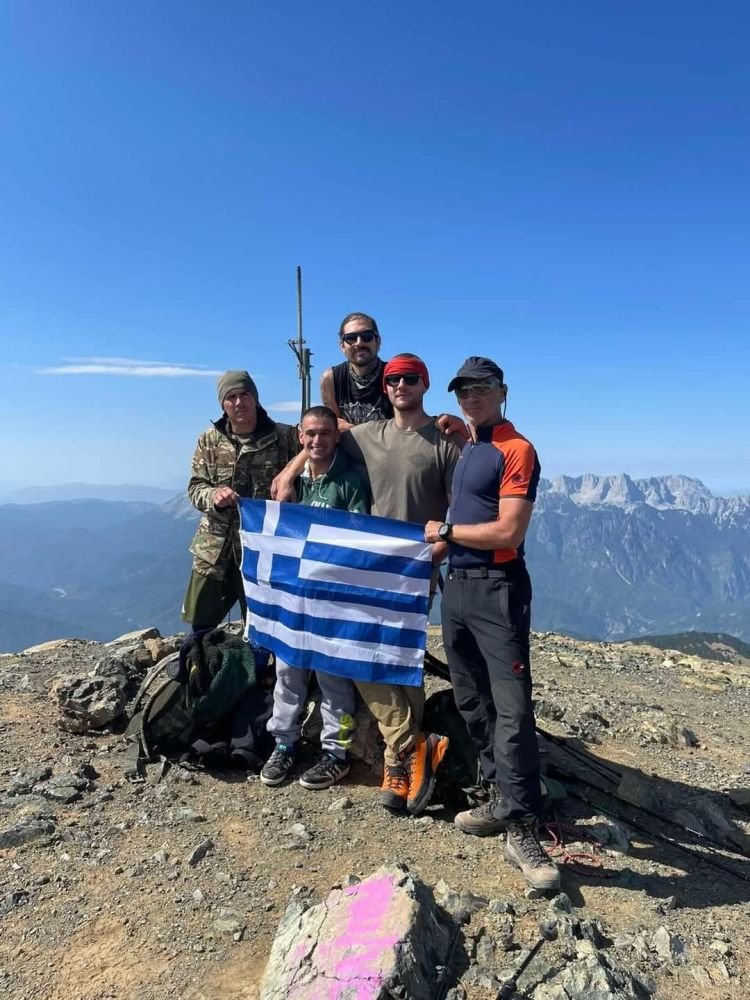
(380, 938)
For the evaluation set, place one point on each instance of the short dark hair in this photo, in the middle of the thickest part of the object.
(322, 412)
(357, 315)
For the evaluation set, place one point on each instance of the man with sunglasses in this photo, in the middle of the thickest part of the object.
(486, 616)
(409, 464)
(354, 389)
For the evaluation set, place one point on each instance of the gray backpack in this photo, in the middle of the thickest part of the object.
(162, 720)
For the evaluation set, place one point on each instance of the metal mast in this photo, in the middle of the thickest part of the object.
(301, 352)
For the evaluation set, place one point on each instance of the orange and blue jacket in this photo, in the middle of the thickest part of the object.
(500, 463)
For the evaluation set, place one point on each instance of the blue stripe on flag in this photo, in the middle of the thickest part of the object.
(339, 555)
(285, 576)
(306, 659)
(340, 628)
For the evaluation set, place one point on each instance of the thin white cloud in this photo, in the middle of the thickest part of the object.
(285, 406)
(127, 366)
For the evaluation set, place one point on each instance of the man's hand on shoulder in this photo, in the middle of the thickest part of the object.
(451, 425)
(224, 497)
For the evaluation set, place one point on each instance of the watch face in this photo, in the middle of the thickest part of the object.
(444, 531)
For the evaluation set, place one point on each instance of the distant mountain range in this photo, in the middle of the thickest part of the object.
(610, 558)
(85, 491)
(613, 557)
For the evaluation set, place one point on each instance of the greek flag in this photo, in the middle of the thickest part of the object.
(343, 593)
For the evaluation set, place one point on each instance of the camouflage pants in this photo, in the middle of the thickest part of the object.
(208, 600)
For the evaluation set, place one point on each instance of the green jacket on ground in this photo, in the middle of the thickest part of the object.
(248, 466)
(341, 487)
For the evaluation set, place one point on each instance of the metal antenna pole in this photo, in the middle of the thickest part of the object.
(302, 353)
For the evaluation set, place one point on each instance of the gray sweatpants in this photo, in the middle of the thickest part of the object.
(336, 708)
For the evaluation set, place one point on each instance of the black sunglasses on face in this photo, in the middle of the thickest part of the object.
(393, 380)
(364, 335)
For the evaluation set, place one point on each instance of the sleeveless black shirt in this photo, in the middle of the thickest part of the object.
(361, 405)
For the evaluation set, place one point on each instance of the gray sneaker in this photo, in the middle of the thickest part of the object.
(481, 821)
(522, 849)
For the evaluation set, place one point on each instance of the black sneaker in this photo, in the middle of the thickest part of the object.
(279, 764)
(326, 771)
(522, 849)
(481, 820)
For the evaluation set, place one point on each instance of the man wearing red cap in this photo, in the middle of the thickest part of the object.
(409, 464)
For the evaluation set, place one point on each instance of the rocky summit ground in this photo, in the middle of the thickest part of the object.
(174, 887)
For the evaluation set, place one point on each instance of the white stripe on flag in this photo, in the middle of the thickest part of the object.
(338, 610)
(265, 551)
(366, 541)
(353, 577)
(367, 652)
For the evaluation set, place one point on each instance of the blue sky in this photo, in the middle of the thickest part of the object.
(563, 187)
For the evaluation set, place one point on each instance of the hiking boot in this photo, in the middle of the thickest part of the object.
(481, 820)
(326, 771)
(395, 787)
(276, 769)
(522, 849)
(421, 763)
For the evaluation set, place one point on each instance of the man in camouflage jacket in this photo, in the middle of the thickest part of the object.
(238, 456)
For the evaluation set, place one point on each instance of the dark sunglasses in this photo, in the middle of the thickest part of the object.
(475, 389)
(393, 380)
(364, 335)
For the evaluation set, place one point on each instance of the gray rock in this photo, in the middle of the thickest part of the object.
(28, 776)
(592, 977)
(88, 702)
(610, 834)
(338, 805)
(384, 934)
(11, 900)
(199, 852)
(460, 905)
(485, 951)
(500, 906)
(25, 832)
(300, 832)
(65, 787)
(669, 947)
(139, 636)
(230, 923)
(476, 975)
(560, 904)
(187, 815)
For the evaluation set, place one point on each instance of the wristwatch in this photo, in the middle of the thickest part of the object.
(445, 531)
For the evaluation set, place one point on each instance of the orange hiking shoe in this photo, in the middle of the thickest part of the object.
(421, 763)
(395, 787)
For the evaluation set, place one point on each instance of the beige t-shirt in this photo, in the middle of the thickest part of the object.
(409, 472)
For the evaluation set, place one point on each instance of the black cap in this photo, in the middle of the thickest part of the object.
(475, 368)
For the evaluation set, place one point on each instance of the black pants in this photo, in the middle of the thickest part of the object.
(486, 623)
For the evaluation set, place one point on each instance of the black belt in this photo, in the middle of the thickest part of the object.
(481, 573)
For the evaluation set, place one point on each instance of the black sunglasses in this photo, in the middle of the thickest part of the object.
(364, 335)
(393, 380)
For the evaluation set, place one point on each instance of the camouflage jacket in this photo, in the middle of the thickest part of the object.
(221, 459)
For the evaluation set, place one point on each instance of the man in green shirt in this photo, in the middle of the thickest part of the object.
(409, 464)
(328, 480)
